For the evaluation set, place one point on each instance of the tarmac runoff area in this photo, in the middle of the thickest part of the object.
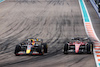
(52, 20)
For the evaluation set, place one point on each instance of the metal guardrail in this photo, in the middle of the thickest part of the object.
(96, 7)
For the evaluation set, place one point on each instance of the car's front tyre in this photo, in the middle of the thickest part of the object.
(45, 47)
(66, 49)
(17, 49)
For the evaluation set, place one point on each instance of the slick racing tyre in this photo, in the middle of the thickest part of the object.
(91, 46)
(17, 49)
(45, 47)
(88, 49)
(40, 50)
(66, 49)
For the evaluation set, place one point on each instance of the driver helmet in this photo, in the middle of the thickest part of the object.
(32, 41)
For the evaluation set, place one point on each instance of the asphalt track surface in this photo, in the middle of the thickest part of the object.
(53, 20)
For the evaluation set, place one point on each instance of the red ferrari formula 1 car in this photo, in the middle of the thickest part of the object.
(31, 46)
(79, 45)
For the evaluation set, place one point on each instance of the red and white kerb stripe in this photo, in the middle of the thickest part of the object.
(90, 31)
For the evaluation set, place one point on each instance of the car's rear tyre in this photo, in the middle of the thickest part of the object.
(40, 49)
(66, 49)
(45, 47)
(88, 49)
(91, 46)
(17, 49)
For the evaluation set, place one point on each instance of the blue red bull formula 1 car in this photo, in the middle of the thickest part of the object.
(31, 46)
(78, 45)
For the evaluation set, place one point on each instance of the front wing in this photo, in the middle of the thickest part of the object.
(31, 53)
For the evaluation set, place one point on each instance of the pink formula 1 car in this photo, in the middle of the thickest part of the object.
(79, 45)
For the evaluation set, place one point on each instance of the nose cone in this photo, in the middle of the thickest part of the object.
(77, 46)
(28, 49)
